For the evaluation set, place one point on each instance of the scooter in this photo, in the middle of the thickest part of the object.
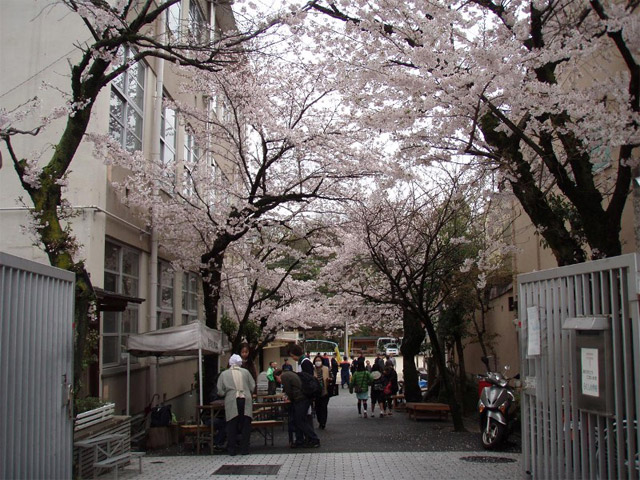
(497, 409)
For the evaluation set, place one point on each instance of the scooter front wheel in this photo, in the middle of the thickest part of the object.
(492, 434)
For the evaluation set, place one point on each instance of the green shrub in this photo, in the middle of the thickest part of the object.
(88, 403)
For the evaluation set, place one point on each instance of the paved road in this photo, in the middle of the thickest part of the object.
(348, 433)
(352, 448)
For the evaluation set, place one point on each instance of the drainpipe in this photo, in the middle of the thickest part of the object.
(153, 257)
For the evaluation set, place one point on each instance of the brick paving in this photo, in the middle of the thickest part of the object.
(351, 448)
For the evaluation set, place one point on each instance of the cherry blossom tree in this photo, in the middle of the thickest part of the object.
(266, 276)
(404, 249)
(545, 92)
(274, 149)
(111, 26)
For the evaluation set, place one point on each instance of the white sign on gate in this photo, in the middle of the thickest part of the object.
(533, 332)
(590, 378)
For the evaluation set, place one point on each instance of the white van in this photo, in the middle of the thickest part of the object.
(392, 349)
(382, 343)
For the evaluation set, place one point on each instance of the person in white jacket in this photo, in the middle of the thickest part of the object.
(236, 386)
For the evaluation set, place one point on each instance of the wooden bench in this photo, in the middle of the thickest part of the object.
(398, 402)
(265, 428)
(117, 461)
(427, 410)
(93, 417)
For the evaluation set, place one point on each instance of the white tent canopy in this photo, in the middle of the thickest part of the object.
(192, 339)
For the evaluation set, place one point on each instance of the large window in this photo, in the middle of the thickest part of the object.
(126, 106)
(189, 297)
(196, 21)
(165, 294)
(173, 20)
(168, 145)
(121, 275)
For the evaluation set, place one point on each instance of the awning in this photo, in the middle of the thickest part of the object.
(187, 339)
(192, 339)
(113, 302)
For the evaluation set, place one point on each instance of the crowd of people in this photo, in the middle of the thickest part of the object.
(377, 382)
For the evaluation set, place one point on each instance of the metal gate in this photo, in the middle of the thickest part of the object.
(36, 368)
(580, 341)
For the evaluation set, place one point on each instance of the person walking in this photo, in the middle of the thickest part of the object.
(392, 388)
(360, 382)
(271, 388)
(334, 375)
(354, 364)
(378, 363)
(323, 375)
(377, 392)
(300, 404)
(345, 372)
(236, 386)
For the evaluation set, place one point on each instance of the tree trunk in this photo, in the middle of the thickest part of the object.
(445, 377)
(462, 374)
(413, 336)
(211, 282)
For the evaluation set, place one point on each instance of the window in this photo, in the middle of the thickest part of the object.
(189, 297)
(174, 15)
(196, 21)
(121, 275)
(165, 294)
(126, 106)
(168, 145)
(191, 163)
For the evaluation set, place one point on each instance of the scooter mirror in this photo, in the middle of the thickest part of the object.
(507, 368)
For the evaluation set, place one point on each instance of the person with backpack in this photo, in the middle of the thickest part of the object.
(321, 402)
(378, 385)
(360, 382)
(292, 385)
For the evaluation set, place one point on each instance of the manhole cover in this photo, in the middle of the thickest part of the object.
(248, 470)
(488, 459)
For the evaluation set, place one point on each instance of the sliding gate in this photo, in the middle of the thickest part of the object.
(581, 370)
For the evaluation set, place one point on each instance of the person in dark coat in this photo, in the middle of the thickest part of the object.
(299, 407)
(304, 363)
(393, 379)
(334, 375)
(345, 372)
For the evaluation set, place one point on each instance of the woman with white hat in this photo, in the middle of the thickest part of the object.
(377, 392)
(236, 386)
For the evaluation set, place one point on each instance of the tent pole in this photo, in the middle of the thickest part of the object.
(200, 372)
(128, 380)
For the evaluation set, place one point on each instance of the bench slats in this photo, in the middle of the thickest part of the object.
(112, 461)
(92, 417)
(265, 428)
(427, 410)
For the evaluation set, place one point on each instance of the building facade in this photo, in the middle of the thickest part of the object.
(138, 288)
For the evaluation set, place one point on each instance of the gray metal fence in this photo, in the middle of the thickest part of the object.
(36, 368)
(580, 338)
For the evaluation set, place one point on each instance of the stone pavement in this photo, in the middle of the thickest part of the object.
(351, 448)
(346, 466)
